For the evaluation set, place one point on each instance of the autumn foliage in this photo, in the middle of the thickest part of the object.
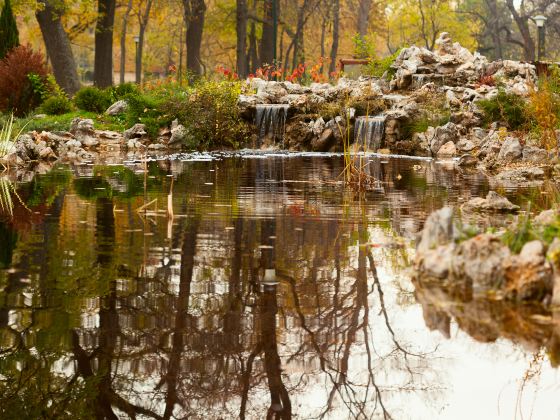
(22, 72)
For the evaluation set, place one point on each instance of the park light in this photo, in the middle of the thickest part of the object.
(137, 61)
(540, 20)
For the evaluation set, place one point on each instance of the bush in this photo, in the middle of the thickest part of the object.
(209, 112)
(146, 109)
(92, 99)
(23, 80)
(544, 110)
(505, 107)
(120, 91)
(57, 105)
(378, 67)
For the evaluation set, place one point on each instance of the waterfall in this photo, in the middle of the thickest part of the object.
(270, 119)
(368, 132)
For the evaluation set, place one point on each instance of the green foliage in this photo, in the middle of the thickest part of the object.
(362, 48)
(119, 92)
(434, 113)
(62, 122)
(505, 107)
(378, 67)
(93, 99)
(9, 35)
(57, 105)
(208, 110)
(146, 109)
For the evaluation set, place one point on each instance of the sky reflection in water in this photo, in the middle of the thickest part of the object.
(109, 311)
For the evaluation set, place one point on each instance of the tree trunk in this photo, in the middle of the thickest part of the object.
(194, 14)
(58, 48)
(267, 40)
(523, 26)
(364, 8)
(334, 47)
(103, 61)
(299, 50)
(123, 41)
(241, 30)
(143, 23)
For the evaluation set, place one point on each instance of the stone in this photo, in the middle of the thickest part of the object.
(468, 160)
(246, 104)
(477, 262)
(137, 131)
(546, 217)
(553, 256)
(521, 174)
(179, 135)
(448, 150)
(510, 151)
(443, 134)
(534, 154)
(47, 153)
(465, 145)
(528, 276)
(437, 262)
(324, 142)
(493, 202)
(438, 230)
(117, 108)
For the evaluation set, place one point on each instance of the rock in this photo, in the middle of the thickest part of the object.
(490, 146)
(437, 262)
(179, 135)
(82, 129)
(247, 104)
(477, 262)
(553, 256)
(26, 148)
(137, 131)
(521, 174)
(443, 134)
(117, 108)
(468, 160)
(534, 154)
(448, 150)
(493, 202)
(528, 275)
(47, 153)
(438, 230)
(324, 142)
(465, 145)
(451, 100)
(510, 151)
(318, 126)
(546, 217)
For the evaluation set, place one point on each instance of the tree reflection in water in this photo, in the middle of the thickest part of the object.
(106, 314)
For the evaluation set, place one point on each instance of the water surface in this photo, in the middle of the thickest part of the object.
(139, 290)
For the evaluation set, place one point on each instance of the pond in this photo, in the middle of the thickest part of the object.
(249, 286)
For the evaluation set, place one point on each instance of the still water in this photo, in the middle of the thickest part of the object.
(252, 286)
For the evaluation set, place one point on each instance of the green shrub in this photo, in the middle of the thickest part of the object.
(119, 92)
(57, 105)
(505, 107)
(92, 99)
(209, 112)
(378, 66)
(146, 109)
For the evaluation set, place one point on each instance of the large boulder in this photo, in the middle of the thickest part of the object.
(442, 135)
(137, 131)
(477, 262)
(117, 108)
(510, 151)
(83, 131)
(493, 202)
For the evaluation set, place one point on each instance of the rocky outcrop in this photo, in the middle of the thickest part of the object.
(483, 263)
(492, 203)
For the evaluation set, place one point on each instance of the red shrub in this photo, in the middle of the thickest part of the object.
(19, 92)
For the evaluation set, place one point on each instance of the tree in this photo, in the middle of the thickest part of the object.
(335, 36)
(194, 15)
(58, 47)
(123, 41)
(9, 36)
(241, 32)
(103, 61)
(143, 17)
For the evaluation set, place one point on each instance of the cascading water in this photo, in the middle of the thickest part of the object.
(368, 132)
(270, 119)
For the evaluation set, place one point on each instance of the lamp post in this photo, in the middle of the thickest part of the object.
(540, 21)
(137, 65)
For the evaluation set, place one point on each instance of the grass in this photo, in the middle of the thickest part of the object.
(62, 122)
